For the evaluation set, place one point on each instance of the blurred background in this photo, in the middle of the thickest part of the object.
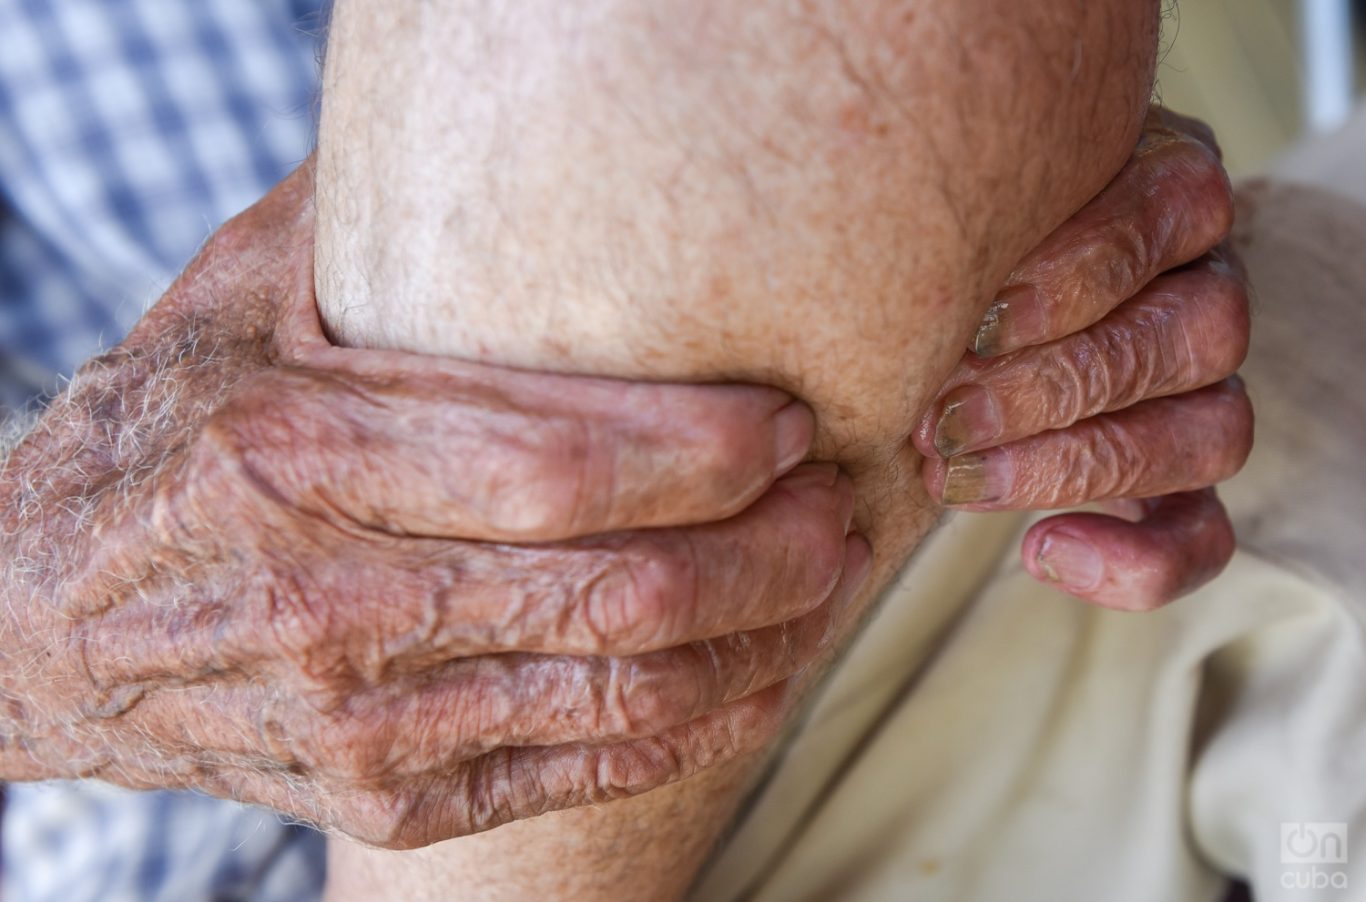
(1263, 72)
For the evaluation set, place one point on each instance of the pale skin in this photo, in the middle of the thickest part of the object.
(242, 560)
(704, 192)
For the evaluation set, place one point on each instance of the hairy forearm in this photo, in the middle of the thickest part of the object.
(821, 199)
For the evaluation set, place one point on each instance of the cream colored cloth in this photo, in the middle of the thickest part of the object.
(990, 740)
(1040, 749)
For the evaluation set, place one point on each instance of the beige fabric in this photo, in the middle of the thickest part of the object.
(1336, 163)
(1051, 750)
(989, 739)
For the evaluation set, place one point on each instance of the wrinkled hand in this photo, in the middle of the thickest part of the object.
(248, 562)
(1104, 371)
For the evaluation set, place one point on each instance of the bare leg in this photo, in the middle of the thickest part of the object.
(819, 196)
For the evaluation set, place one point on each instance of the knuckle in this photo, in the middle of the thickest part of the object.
(1215, 193)
(1175, 573)
(303, 632)
(1120, 462)
(644, 596)
(487, 710)
(1232, 325)
(254, 443)
(351, 750)
(385, 819)
(276, 728)
(640, 698)
(820, 564)
(1190, 329)
(499, 789)
(1125, 252)
(1239, 430)
(1140, 359)
(725, 447)
(1096, 465)
(1159, 587)
(1075, 382)
(1201, 184)
(626, 770)
(1101, 370)
(1222, 542)
(256, 414)
(613, 710)
(815, 527)
(1155, 348)
(219, 454)
(410, 611)
(542, 483)
(614, 612)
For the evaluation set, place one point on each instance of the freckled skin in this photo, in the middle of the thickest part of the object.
(823, 200)
(1106, 374)
(237, 559)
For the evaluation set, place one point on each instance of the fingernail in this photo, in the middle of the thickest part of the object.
(793, 428)
(976, 479)
(968, 419)
(1015, 319)
(1070, 562)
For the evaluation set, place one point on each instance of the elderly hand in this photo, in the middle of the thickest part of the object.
(1104, 372)
(242, 560)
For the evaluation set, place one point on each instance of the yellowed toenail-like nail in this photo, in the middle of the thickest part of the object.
(974, 479)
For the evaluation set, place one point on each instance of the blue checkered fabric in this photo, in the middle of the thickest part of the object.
(129, 130)
(90, 842)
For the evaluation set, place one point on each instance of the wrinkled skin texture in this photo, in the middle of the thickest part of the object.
(194, 406)
(804, 170)
(247, 562)
(1102, 372)
(819, 196)
(253, 603)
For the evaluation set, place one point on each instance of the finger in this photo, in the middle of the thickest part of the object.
(435, 720)
(352, 612)
(642, 591)
(1182, 542)
(1168, 206)
(1153, 448)
(537, 700)
(515, 457)
(515, 783)
(1185, 330)
(505, 785)
(622, 594)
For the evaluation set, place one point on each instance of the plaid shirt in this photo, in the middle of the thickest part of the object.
(129, 130)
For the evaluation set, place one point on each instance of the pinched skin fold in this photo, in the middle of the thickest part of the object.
(824, 200)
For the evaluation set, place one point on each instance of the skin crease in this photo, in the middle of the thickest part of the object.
(155, 460)
(1141, 305)
(237, 559)
(705, 191)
